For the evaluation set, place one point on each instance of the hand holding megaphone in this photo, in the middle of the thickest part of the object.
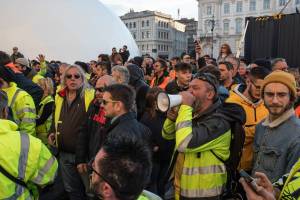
(166, 101)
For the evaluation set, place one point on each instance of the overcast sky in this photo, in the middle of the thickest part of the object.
(188, 8)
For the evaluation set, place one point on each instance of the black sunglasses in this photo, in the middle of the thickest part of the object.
(100, 89)
(69, 76)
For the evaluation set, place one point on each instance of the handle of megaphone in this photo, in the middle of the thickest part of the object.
(173, 113)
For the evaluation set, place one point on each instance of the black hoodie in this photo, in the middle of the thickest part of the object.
(137, 81)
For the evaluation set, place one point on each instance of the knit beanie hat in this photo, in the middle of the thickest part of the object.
(285, 78)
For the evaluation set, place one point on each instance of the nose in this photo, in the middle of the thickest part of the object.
(275, 99)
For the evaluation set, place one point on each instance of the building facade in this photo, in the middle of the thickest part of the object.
(191, 30)
(223, 21)
(156, 33)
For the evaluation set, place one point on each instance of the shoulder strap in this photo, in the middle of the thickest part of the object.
(15, 97)
(12, 178)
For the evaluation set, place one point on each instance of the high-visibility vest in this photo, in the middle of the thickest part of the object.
(292, 184)
(23, 108)
(25, 157)
(201, 173)
(163, 85)
(43, 129)
(36, 78)
(88, 97)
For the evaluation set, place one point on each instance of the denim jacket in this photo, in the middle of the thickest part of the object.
(277, 145)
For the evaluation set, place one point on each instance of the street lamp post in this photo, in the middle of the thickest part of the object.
(212, 21)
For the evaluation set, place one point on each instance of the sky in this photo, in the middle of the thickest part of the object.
(188, 8)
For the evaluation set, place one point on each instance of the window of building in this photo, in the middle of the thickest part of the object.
(167, 25)
(158, 34)
(147, 23)
(134, 25)
(147, 47)
(127, 25)
(130, 25)
(226, 8)
(167, 35)
(143, 35)
(158, 23)
(226, 26)
(134, 35)
(159, 47)
(238, 25)
(208, 10)
(143, 47)
(266, 4)
(148, 34)
(143, 23)
(282, 2)
(239, 6)
(252, 5)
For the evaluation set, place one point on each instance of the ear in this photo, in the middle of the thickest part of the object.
(107, 191)
(211, 94)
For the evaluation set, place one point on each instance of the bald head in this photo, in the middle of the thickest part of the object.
(105, 80)
(101, 83)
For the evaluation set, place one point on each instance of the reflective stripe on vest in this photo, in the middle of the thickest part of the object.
(24, 150)
(213, 169)
(198, 193)
(44, 170)
(183, 124)
(14, 97)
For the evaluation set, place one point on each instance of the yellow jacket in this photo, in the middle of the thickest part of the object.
(23, 108)
(25, 157)
(255, 112)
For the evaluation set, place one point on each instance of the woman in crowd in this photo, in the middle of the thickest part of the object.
(45, 109)
(225, 51)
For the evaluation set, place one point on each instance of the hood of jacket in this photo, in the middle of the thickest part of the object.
(7, 126)
(136, 74)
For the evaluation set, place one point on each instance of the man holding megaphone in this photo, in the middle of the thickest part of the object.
(201, 133)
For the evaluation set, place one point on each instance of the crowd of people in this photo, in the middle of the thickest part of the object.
(94, 131)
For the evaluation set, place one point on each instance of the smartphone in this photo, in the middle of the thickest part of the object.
(249, 179)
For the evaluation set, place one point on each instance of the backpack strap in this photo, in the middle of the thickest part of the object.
(12, 178)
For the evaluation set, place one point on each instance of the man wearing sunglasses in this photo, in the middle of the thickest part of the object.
(118, 101)
(121, 169)
(202, 135)
(248, 96)
(71, 105)
(93, 131)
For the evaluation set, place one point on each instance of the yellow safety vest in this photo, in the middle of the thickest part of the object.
(36, 78)
(292, 184)
(88, 97)
(25, 157)
(199, 173)
(43, 129)
(23, 108)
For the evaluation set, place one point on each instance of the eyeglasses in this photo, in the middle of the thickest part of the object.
(279, 95)
(113, 186)
(105, 102)
(100, 89)
(91, 170)
(76, 76)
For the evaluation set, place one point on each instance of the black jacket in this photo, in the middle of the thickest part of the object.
(166, 147)
(92, 134)
(174, 88)
(215, 122)
(127, 124)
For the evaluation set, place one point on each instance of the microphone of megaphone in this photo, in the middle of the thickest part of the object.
(166, 101)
